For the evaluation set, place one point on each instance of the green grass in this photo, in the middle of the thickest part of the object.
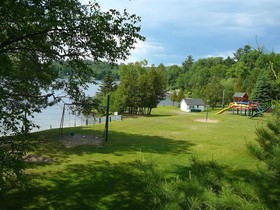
(108, 177)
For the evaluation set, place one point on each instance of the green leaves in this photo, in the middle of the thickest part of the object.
(208, 187)
(35, 35)
(142, 88)
(267, 150)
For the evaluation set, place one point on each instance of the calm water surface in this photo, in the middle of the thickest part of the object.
(51, 116)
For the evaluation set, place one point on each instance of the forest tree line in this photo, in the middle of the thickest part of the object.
(250, 70)
(141, 86)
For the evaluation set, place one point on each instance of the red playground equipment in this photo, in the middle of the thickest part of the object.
(242, 106)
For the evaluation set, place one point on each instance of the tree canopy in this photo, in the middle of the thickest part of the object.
(36, 33)
(141, 88)
(209, 78)
(43, 48)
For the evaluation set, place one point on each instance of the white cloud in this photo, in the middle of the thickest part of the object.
(144, 50)
(220, 54)
(199, 27)
(156, 13)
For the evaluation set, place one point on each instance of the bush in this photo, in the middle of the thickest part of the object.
(207, 187)
(12, 152)
(267, 151)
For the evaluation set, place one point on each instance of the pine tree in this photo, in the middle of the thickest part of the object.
(108, 85)
(267, 150)
(263, 88)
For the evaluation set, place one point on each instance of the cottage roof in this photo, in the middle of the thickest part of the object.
(239, 95)
(194, 101)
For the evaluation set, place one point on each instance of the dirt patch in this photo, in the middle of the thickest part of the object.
(78, 139)
(38, 159)
(208, 120)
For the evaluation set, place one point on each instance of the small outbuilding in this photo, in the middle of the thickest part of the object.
(192, 105)
(240, 97)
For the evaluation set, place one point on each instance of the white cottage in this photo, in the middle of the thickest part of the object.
(192, 105)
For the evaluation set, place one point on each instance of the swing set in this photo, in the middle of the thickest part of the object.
(91, 132)
(88, 134)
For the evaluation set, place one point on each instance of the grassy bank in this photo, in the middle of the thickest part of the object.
(107, 177)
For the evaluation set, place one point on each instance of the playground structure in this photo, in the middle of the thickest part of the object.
(242, 106)
(90, 117)
(251, 109)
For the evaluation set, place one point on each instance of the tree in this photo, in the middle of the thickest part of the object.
(130, 75)
(218, 70)
(63, 31)
(239, 72)
(262, 89)
(183, 80)
(187, 64)
(227, 86)
(229, 61)
(173, 73)
(158, 81)
(213, 91)
(173, 96)
(55, 31)
(180, 95)
(208, 186)
(36, 34)
(108, 84)
(274, 65)
(241, 51)
(142, 88)
(146, 94)
(250, 58)
(201, 74)
(100, 69)
(117, 101)
(267, 151)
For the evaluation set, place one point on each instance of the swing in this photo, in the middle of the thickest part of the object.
(90, 132)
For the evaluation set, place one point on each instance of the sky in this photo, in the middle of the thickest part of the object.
(175, 29)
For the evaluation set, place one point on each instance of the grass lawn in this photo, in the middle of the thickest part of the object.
(108, 177)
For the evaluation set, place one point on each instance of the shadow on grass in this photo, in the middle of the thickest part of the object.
(118, 142)
(131, 143)
(235, 175)
(264, 188)
(91, 184)
(98, 185)
(268, 189)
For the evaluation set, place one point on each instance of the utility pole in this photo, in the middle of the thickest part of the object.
(207, 110)
(223, 102)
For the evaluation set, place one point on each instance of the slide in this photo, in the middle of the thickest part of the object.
(225, 109)
(268, 109)
(257, 114)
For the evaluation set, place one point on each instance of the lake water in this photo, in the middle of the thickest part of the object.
(51, 116)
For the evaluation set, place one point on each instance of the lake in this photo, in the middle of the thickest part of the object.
(51, 116)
